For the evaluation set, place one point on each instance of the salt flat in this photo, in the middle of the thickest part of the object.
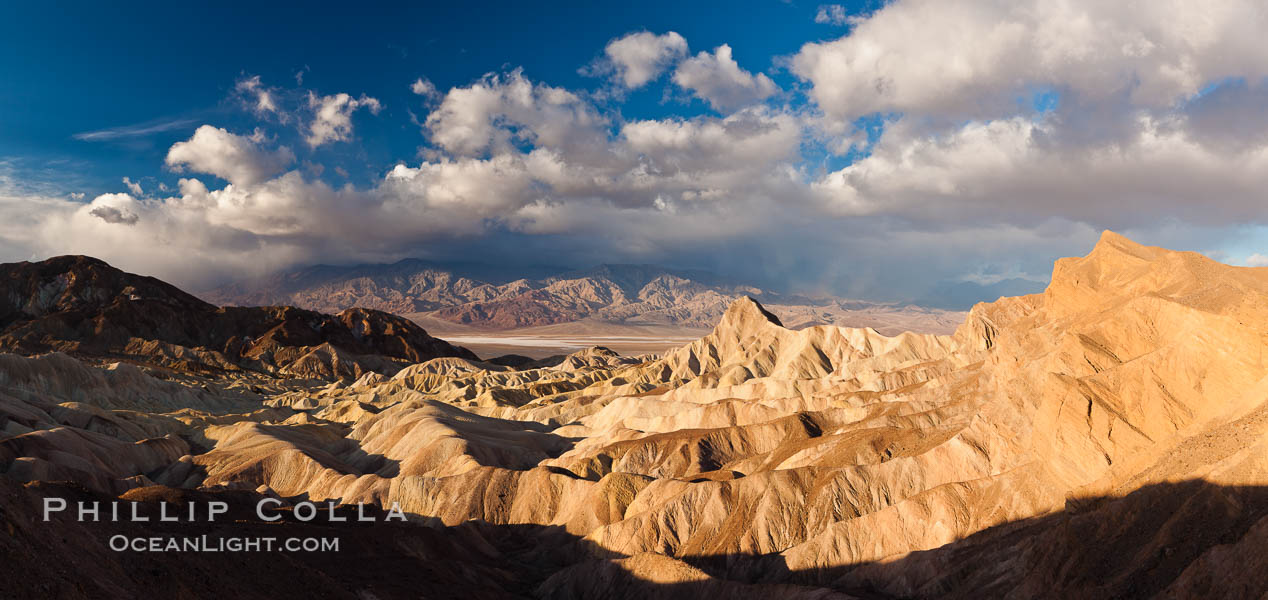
(490, 345)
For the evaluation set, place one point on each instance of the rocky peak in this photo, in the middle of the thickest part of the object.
(744, 313)
(79, 283)
(83, 306)
(1118, 268)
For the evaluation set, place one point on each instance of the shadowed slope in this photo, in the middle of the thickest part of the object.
(1108, 436)
(82, 306)
(1188, 539)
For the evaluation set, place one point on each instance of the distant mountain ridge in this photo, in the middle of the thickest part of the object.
(82, 306)
(439, 293)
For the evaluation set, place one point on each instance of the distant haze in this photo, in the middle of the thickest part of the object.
(605, 301)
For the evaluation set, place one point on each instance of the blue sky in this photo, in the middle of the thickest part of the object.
(172, 66)
(864, 149)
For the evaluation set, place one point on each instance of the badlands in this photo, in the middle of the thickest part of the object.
(1103, 438)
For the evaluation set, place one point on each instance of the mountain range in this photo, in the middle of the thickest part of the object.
(448, 297)
(1107, 437)
(84, 307)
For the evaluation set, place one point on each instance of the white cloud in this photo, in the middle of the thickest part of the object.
(1007, 171)
(132, 131)
(425, 88)
(133, 187)
(638, 58)
(21, 216)
(332, 116)
(515, 156)
(1256, 260)
(1143, 133)
(831, 14)
(975, 59)
(234, 158)
(114, 208)
(964, 178)
(719, 80)
(493, 113)
(262, 99)
(716, 150)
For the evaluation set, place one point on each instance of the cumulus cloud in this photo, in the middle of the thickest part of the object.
(261, 99)
(575, 164)
(831, 14)
(133, 186)
(638, 58)
(114, 208)
(498, 111)
(1154, 118)
(1006, 171)
(237, 159)
(933, 141)
(719, 80)
(425, 88)
(519, 158)
(975, 59)
(753, 141)
(332, 116)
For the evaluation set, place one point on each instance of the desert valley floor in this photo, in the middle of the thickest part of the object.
(1103, 438)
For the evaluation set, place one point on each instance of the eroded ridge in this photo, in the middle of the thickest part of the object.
(760, 459)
